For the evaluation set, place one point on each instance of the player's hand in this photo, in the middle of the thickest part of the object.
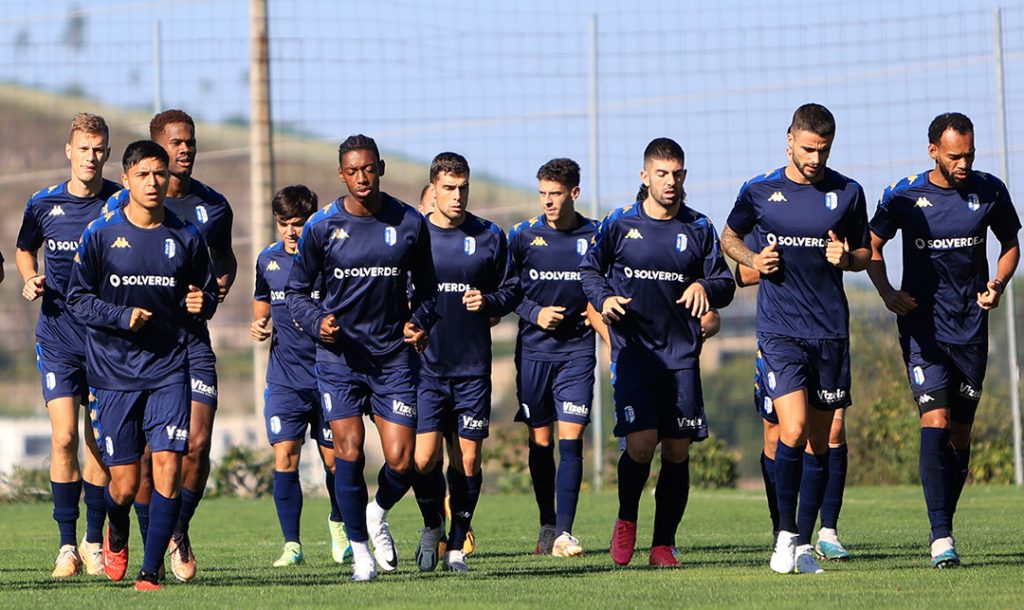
(328, 329)
(836, 253)
(899, 302)
(586, 320)
(767, 260)
(415, 336)
(139, 317)
(194, 300)
(550, 317)
(473, 300)
(222, 288)
(613, 308)
(34, 287)
(710, 324)
(258, 329)
(990, 298)
(695, 298)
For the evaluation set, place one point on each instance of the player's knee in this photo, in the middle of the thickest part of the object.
(960, 436)
(401, 465)
(641, 454)
(675, 452)
(794, 435)
(65, 443)
(199, 445)
(936, 418)
(425, 463)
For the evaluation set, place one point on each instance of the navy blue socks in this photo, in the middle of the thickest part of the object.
(569, 478)
(350, 488)
(65, 509)
(812, 492)
(670, 498)
(542, 472)
(288, 500)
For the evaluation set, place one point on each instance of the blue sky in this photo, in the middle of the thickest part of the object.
(508, 85)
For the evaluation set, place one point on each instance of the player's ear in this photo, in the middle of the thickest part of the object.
(684, 176)
(67, 150)
(380, 166)
(575, 192)
(645, 177)
(933, 151)
(124, 180)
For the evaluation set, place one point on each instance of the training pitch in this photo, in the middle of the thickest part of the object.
(723, 546)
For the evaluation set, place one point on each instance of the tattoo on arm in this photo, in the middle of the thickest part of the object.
(738, 251)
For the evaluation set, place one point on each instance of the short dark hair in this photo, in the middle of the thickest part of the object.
(956, 121)
(641, 194)
(142, 149)
(165, 118)
(423, 193)
(448, 163)
(357, 142)
(294, 201)
(665, 149)
(814, 118)
(563, 171)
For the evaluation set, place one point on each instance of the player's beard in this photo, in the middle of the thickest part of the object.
(951, 179)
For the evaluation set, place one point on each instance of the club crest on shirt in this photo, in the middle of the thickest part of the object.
(831, 200)
(390, 236)
(973, 203)
(169, 248)
(581, 246)
(777, 197)
(201, 214)
(469, 245)
(681, 242)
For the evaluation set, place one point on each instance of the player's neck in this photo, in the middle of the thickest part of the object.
(178, 186)
(440, 220)
(567, 222)
(937, 178)
(85, 189)
(795, 175)
(143, 217)
(363, 207)
(656, 211)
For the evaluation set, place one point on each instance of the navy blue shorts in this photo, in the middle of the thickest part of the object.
(289, 413)
(555, 390)
(386, 390)
(667, 400)
(945, 375)
(62, 372)
(454, 404)
(202, 370)
(126, 420)
(762, 402)
(820, 366)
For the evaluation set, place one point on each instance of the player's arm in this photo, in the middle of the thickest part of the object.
(259, 330)
(299, 289)
(716, 288)
(1009, 257)
(225, 265)
(897, 301)
(746, 276)
(203, 290)
(424, 281)
(26, 257)
(594, 276)
(477, 300)
(852, 252)
(83, 293)
(595, 321)
(27, 262)
(766, 261)
(710, 324)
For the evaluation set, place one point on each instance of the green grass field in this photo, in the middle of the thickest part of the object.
(724, 547)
